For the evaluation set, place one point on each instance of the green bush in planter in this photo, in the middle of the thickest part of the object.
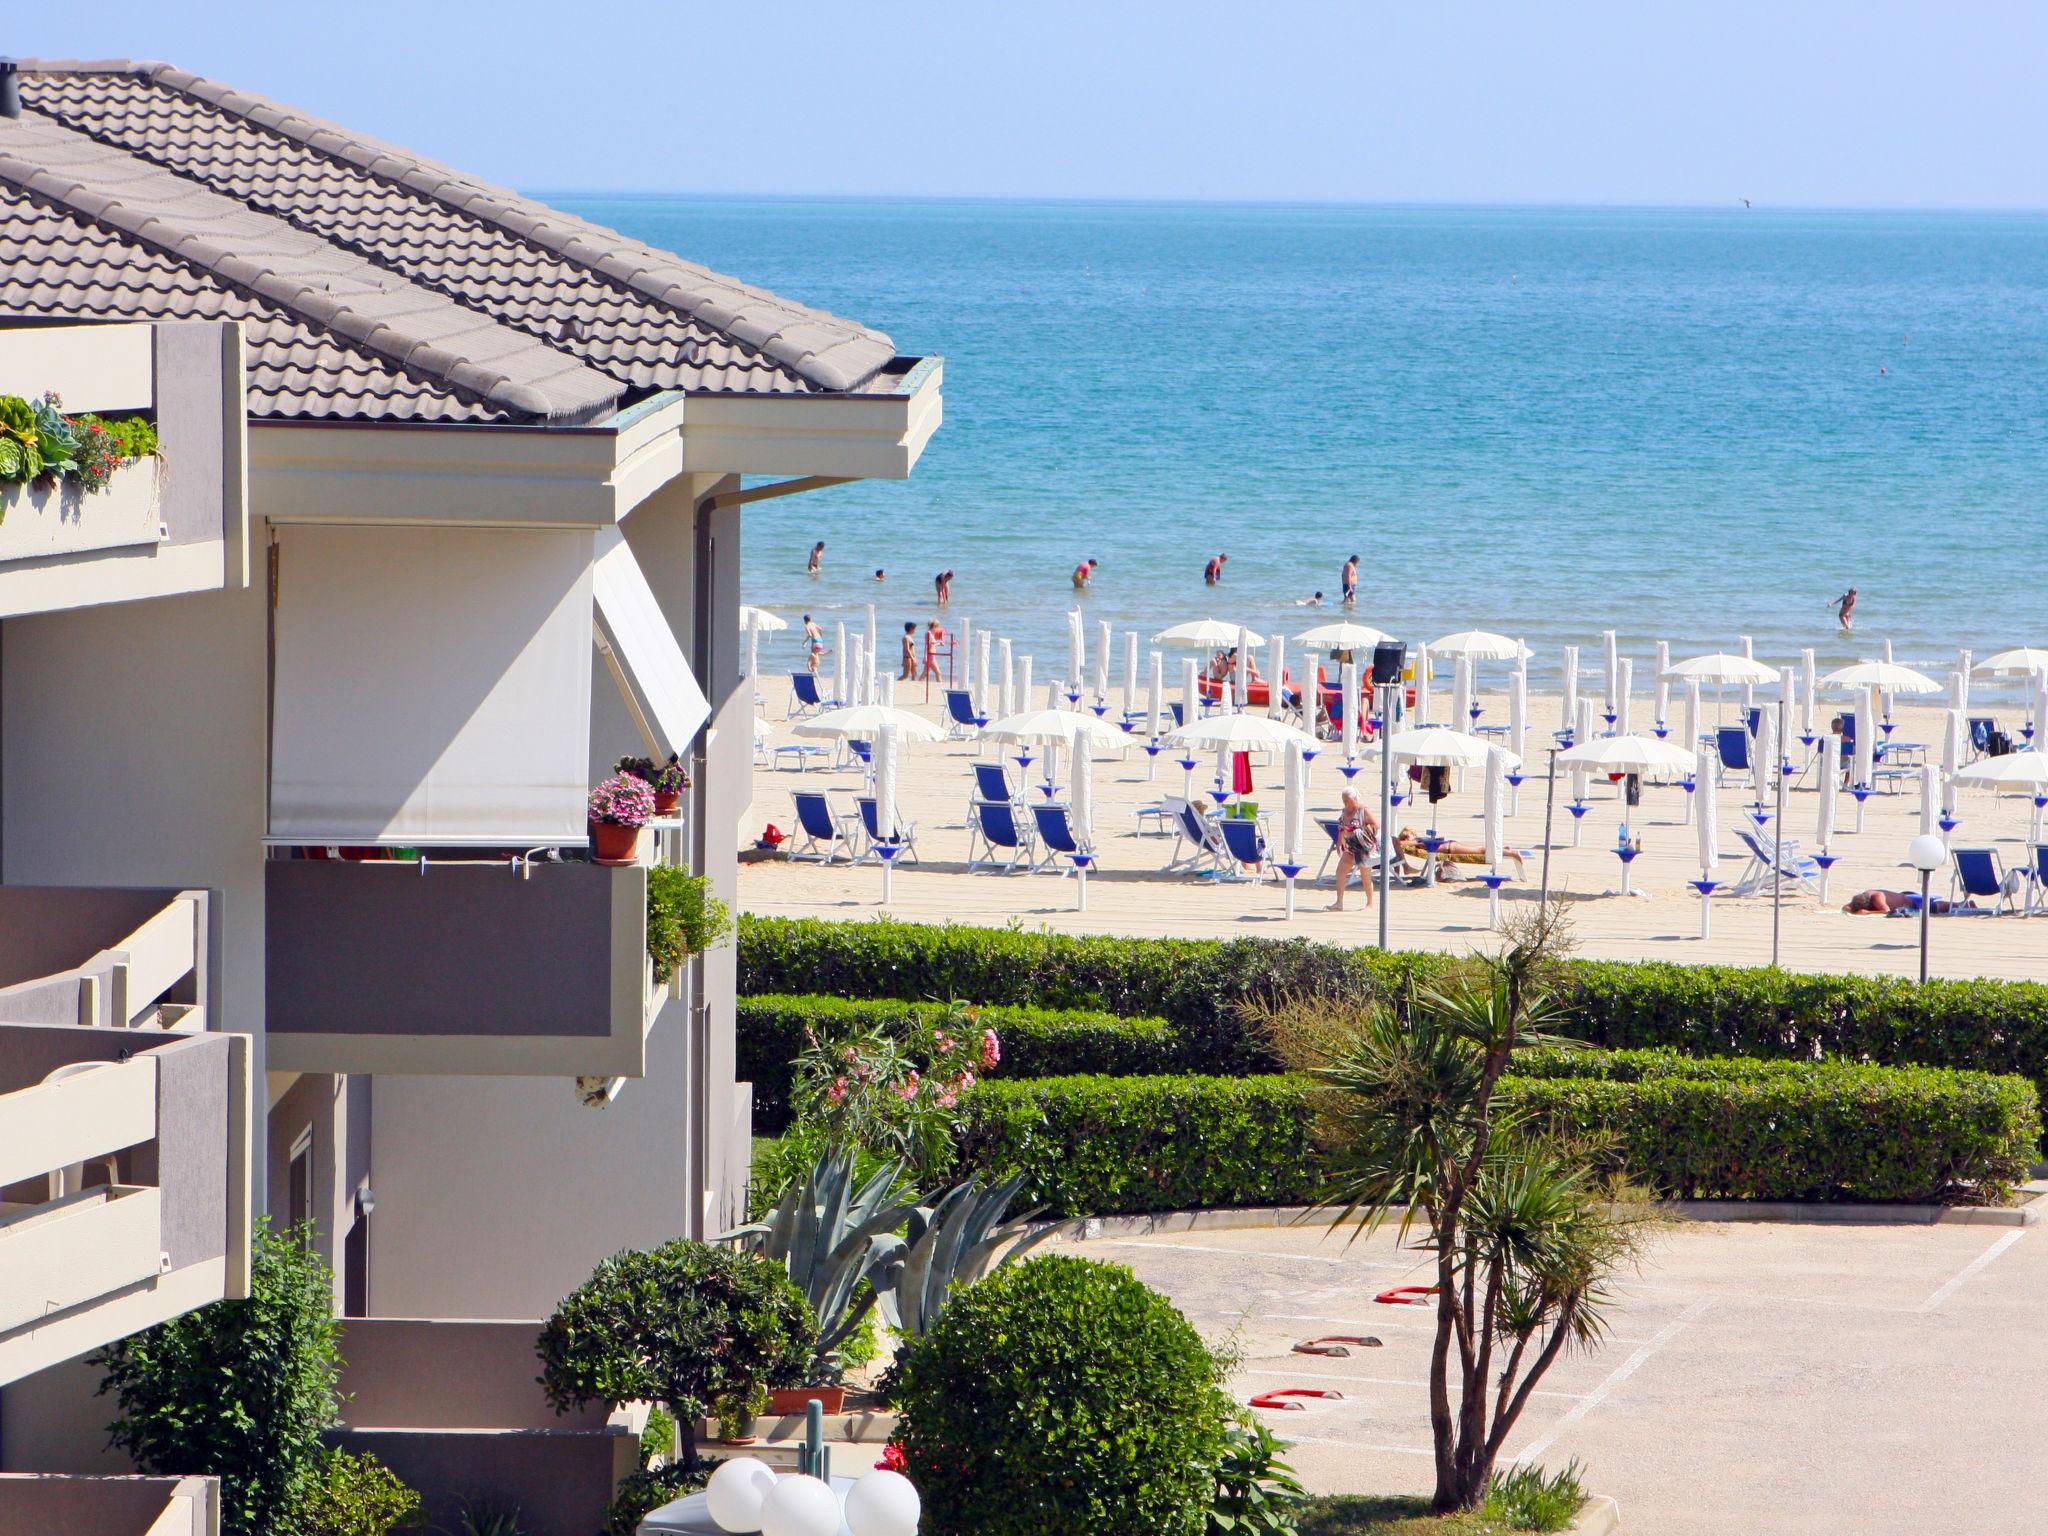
(683, 918)
(1061, 1395)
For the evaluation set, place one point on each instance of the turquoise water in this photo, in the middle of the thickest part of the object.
(1680, 424)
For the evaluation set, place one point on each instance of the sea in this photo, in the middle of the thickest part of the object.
(1687, 424)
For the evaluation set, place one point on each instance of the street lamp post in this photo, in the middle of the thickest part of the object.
(1926, 853)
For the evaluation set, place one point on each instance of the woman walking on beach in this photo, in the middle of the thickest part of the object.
(1358, 834)
(817, 557)
(934, 637)
(814, 642)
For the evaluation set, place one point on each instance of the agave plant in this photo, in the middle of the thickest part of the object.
(831, 1236)
(953, 1241)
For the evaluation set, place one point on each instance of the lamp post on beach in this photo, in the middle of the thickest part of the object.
(1926, 853)
(1388, 657)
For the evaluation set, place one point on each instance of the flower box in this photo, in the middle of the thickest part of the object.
(39, 518)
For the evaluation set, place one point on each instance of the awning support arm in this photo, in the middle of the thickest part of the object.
(779, 488)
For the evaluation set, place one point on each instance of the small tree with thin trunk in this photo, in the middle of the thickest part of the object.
(1524, 1231)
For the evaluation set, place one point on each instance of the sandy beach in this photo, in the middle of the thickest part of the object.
(1129, 892)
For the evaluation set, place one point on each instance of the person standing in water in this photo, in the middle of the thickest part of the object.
(1084, 573)
(942, 587)
(1845, 610)
(908, 671)
(1350, 582)
(817, 557)
(1213, 571)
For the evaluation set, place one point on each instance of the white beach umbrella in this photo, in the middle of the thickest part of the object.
(1130, 671)
(1644, 755)
(1886, 676)
(1433, 746)
(1007, 704)
(1343, 636)
(1292, 806)
(1807, 678)
(1518, 707)
(1706, 814)
(1190, 693)
(2022, 661)
(1082, 794)
(1568, 710)
(1053, 691)
(2025, 770)
(961, 654)
(887, 745)
(1077, 660)
(1582, 731)
(1788, 691)
(1624, 701)
(1477, 645)
(1240, 732)
(1348, 687)
(1610, 655)
(981, 648)
(1829, 786)
(1692, 712)
(886, 686)
(1662, 682)
(841, 665)
(1276, 670)
(1023, 683)
(761, 619)
(1461, 694)
(1865, 766)
(1051, 765)
(1748, 688)
(1495, 802)
(1240, 671)
(1952, 729)
(1103, 643)
(1421, 665)
(1224, 777)
(1930, 798)
(1959, 687)
(2039, 718)
(858, 661)
(1720, 667)
(753, 633)
(1205, 633)
(1763, 751)
(1155, 689)
(871, 629)
(866, 722)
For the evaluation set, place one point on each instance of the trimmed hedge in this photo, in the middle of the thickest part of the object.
(1196, 985)
(1036, 1042)
(1103, 1146)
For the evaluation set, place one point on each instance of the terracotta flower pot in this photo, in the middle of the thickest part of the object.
(613, 843)
(787, 1400)
(666, 800)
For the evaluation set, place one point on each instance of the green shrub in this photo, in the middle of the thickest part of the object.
(683, 1325)
(355, 1496)
(1526, 1498)
(683, 918)
(1061, 1395)
(1198, 985)
(238, 1390)
(771, 1032)
(1778, 1130)
(648, 1489)
(1098, 1146)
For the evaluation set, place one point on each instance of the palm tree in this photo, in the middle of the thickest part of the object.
(1526, 1232)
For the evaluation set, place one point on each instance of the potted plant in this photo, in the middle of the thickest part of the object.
(668, 780)
(736, 1412)
(619, 808)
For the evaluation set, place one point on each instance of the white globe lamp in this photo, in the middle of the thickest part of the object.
(883, 1504)
(736, 1493)
(800, 1506)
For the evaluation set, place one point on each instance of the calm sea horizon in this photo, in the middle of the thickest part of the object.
(1688, 424)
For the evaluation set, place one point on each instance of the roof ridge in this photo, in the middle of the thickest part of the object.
(827, 350)
(553, 392)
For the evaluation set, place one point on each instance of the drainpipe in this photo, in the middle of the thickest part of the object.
(10, 88)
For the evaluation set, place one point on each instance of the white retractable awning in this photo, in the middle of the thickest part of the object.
(648, 662)
(432, 686)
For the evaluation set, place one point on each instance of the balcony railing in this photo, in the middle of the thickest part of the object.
(34, 1503)
(450, 965)
(124, 1184)
(175, 522)
(114, 956)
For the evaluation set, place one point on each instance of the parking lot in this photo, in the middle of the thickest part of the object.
(1759, 1377)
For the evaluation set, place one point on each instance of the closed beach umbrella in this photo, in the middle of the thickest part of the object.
(1866, 744)
(1748, 691)
(840, 666)
(1240, 681)
(871, 629)
(1461, 694)
(1103, 642)
(1763, 751)
(1349, 691)
(2040, 719)
(1692, 712)
(1007, 704)
(1053, 690)
(1518, 707)
(1276, 669)
(1077, 659)
(1610, 653)
(1225, 778)
(981, 645)
(1959, 686)
(1806, 682)
(1292, 806)
(1023, 682)
(1930, 798)
(1130, 671)
(1083, 794)
(1788, 690)
(1582, 731)
(886, 740)
(1190, 708)
(754, 646)
(1951, 758)
(1705, 770)
(1495, 802)
(885, 690)
(1663, 682)
(1052, 752)
(1830, 782)
(1568, 710)
(1155, 686)
(1624, 688)
(858, 661)
(1421, 686)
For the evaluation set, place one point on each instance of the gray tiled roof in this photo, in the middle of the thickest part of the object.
(434, 294)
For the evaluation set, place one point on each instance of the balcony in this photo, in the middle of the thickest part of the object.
(175, 522)
(124, 1184)
(41, 1504)
(117, 957)
(489, 967)
(454, 1408)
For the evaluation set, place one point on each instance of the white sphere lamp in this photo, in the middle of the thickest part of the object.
(1927, 853)
(736, 1493)
(800, 1506)
(883, 1504)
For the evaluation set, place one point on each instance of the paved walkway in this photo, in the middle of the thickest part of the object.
(1760, 1378)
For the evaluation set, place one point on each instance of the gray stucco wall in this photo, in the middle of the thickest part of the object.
(190, 380)
(49, 928)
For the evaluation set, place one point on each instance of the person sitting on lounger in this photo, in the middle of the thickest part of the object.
(1451, 851)
(1894, 904)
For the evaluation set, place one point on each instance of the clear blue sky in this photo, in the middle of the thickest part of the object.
(1814, 102)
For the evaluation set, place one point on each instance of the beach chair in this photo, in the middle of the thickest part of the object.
(962, 722)
(802, 753)
(1772, 862)
(992, 782)
(1978, 874)
(1731, 742)
(824, 830)
(1244, 848)
(1058, 836)
(1329, 826)
(2037, 878)
(1180, 714)
(804, 698)
(1003, 837)
(1982, 729)
(1198, 833)
(906, 831)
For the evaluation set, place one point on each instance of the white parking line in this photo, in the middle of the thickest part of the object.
(1360, 1322)
(1982, 1262)
(1377, 1381)
(1362, 1445)
(1254, 1253)
(1621, 1373)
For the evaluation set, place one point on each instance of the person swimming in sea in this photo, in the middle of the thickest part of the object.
(817, 557)
(1845, 610)
(880, 574)
(1213, 571)
(1309, 602)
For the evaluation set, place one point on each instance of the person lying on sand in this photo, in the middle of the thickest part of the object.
(1452, 851)
(1894, 904)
